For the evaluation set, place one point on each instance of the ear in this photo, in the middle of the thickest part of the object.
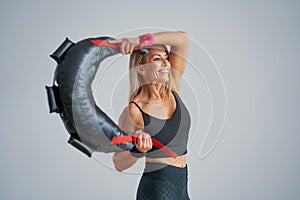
(141, 70)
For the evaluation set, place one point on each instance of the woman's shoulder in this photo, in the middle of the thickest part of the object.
(176, 91)
(130, 118)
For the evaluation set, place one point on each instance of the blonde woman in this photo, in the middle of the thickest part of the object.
(156, 111)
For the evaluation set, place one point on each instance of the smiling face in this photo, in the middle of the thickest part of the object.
(156, 66)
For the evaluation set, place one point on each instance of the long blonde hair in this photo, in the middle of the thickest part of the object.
(135, 80)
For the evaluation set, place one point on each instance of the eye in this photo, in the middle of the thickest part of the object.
(156, 59)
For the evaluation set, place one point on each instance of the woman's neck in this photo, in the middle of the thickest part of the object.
(152, 91)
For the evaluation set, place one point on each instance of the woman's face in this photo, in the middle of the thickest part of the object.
(156, 67)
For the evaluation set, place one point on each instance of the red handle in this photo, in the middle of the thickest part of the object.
(133, 138)
(104, 43)
(137, 50)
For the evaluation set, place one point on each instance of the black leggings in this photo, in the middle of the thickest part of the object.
(165, 183)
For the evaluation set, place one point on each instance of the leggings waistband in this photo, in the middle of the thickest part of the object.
(152, 166)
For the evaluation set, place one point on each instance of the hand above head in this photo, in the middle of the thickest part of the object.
(126, 45)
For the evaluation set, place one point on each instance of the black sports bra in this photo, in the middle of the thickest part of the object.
(172, 132)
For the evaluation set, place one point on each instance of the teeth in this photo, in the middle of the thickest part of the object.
(164, 71)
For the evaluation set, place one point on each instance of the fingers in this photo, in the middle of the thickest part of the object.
(131, 50)
(148, 142)
(122, 46)
(144, 142)
(127, 48)
(127, 45)
(140, 141)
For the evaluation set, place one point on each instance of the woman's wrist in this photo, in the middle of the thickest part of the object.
(146, 40)
(136, 153)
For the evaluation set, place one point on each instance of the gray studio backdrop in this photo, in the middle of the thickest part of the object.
(243, 65)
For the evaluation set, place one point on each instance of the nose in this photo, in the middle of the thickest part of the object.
(165, 62)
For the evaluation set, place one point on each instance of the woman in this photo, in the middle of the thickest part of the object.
(156, 110)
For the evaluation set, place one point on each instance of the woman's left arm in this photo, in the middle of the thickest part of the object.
(178, 55)
(178, 40)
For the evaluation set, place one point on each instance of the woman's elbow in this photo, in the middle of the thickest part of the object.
(122, 161)
(183, 33)
(183, 38)
(117, 163)
(118, 169)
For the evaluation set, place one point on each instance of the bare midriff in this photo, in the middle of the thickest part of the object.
(180, 161)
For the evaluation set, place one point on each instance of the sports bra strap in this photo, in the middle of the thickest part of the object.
(174, 93)
(137, 106)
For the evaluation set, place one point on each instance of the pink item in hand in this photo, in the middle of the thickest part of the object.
(146, 40)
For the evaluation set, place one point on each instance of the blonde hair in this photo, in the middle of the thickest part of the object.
(135, 80)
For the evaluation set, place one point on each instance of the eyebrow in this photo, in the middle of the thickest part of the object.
(166, 55)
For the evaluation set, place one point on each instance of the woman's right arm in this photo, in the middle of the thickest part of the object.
(131, 120)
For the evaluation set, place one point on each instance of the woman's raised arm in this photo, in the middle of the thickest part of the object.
(178, 40)
(179, 49)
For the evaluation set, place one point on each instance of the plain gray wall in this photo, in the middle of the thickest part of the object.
(243, 61)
